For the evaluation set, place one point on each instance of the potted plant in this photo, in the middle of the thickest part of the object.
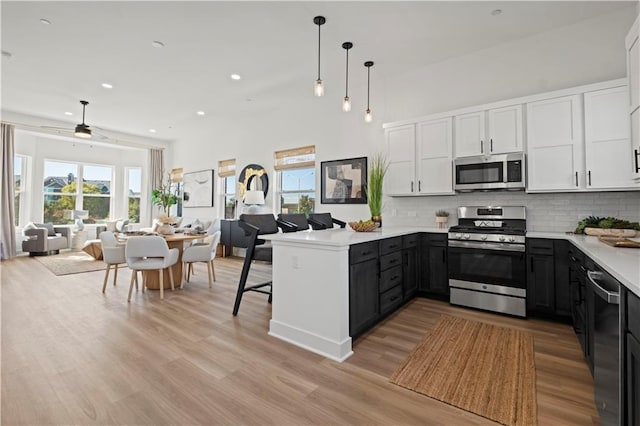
(377, 170)
(442, 217)
(164, 198)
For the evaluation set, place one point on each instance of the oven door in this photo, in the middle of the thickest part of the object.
(495, 264)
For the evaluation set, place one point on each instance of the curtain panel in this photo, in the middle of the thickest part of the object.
(7, 194)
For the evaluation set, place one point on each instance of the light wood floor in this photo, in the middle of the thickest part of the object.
(71, 355)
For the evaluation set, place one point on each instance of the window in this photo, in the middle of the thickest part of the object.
(296, 179)
(134, 183)
(69, 186)
(19, 173)
(227, 175)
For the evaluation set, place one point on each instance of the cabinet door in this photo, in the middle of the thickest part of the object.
(632, 373)
(505, 130)
(409, 272)
(469, 135)
(400, 177)
(633, 78)
(562, 278)
(540, 284)
(555, 144)
(363, 296)
(435, 278)
(434, 152)
(607, 141)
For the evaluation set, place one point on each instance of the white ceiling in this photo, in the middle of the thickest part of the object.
(273, 45)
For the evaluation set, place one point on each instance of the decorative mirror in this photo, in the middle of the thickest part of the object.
(253, 176)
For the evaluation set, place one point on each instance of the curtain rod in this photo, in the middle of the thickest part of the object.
(111, 141)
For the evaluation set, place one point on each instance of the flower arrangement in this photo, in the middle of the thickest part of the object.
(164, 199)
(442, 217)
(442, 213)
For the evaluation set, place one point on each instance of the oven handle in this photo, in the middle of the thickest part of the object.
(487, 246)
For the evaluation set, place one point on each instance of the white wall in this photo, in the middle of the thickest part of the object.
(40, 147)
(587, 52)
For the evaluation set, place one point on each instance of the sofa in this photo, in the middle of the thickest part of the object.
(42, 239)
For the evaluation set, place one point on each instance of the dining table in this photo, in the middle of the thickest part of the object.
(177, 241)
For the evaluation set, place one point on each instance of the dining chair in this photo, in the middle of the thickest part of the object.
(320, 221)
(202, 252)
(112, 254)
(150, 253)
(299, 220)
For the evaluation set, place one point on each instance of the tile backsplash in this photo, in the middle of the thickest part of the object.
(545, 212)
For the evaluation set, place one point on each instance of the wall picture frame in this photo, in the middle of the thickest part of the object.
(198, 189)
(343, 181)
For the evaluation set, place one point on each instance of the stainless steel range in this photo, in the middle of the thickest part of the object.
(487, 259)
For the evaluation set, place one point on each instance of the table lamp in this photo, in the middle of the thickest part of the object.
(253, 198)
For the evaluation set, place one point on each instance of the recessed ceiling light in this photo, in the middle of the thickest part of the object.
(157, 44)
(68, 113)
(235, 77)
(200, 112)
(107, 85)
(6, 54)
(45, 21)
(496, 12)
(152, 130)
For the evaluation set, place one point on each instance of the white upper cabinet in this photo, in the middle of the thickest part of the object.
(607, 142)
(496, 131)
(632, 44)
(554, 144)
(400, 177)
(433, 151)
(420, 158)
(470, 134)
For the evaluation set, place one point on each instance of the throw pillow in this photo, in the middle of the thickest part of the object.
(30, 225)
(111, 225)
(49, 226)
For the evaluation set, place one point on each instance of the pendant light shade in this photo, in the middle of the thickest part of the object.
(367, 116)
(346, 102)
(318, 85)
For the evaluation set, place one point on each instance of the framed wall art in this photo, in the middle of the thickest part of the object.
(344, 181)
(198, 189)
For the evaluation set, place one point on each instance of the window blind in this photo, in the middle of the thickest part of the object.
(295, 158)
(227, 168)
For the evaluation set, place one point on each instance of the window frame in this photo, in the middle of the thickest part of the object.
(279, 192)
(127, 197)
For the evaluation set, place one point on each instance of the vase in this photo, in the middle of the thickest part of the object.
(377, 219)
(166, 229)
(442, 221)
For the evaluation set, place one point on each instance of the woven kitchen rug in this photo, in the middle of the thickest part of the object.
(72, 262)
(478, 367)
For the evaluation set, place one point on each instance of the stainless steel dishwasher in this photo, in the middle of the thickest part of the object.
(606, 345)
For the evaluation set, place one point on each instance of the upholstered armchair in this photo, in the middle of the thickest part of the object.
(45, 239)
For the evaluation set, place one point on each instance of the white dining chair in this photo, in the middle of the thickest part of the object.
(112, 255)
(202, 252)
(149, 253)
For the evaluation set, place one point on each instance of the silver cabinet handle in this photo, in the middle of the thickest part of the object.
(481, 146)
(589, 174)
(576, 178)
(611, 297)
(411, 186)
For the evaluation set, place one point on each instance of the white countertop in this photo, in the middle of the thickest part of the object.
(621, 262)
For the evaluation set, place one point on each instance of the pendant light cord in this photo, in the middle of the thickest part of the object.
(347, 75)
(368, 84)
(319, 25)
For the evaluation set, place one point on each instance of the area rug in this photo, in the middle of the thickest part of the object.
(481, 368)
(73, 262)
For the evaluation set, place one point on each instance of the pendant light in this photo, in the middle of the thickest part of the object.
(346, 102)
(318, 87)
(367, 116)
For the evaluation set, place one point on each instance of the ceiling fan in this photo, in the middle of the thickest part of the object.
(81, 130)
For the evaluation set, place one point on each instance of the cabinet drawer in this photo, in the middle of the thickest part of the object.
(539, 246)
(390, 260)
(389, 245)
(633, 313)
(436, 239)
(361, 252)
(389, 300)
(390, 278)
(409, 241)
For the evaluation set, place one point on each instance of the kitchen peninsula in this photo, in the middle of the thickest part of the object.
(311, 280)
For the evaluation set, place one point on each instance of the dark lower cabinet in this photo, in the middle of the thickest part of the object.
(540, 284)
(434, 274)
(630, 365)
(409, 273)
(562, 279)
(364, 305)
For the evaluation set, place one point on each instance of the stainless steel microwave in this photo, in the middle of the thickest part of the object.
(490, 172)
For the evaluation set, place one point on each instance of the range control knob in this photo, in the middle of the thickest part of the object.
(458, 235)
(512, 239)
(501, 238)
(466, 236)
(483, 237)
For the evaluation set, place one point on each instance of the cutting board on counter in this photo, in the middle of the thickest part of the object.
(620, 242)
